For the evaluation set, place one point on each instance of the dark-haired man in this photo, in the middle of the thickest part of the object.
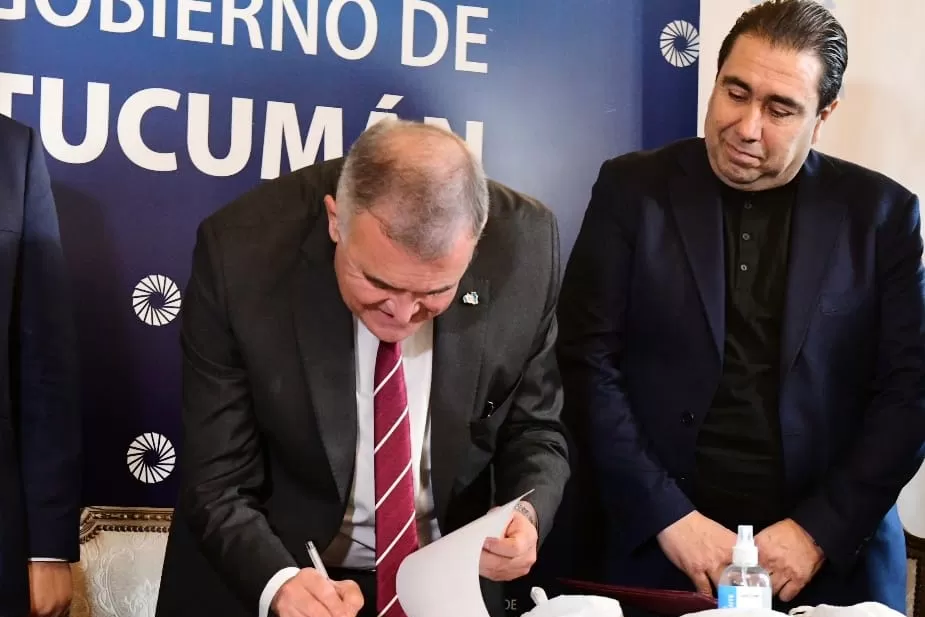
(743, 336)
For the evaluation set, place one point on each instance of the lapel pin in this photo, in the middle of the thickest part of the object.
(470, 298)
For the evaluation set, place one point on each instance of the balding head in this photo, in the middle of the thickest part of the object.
(411, 203)
(421, 182)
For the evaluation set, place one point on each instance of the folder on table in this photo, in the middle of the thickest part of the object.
(668, 602)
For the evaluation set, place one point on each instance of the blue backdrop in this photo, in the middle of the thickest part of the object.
(546, 89)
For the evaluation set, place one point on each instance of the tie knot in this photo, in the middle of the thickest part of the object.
(387, 359)
(388, 351)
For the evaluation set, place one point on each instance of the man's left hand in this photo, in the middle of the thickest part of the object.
(511, 556)
(50, 588)
(790, 556)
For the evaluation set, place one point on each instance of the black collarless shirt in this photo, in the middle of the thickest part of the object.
(739, 475)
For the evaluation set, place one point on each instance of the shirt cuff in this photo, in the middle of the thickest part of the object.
(47, 559)
(272, 587)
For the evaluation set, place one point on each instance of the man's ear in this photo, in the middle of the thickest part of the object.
(823, 117)
(330, 207)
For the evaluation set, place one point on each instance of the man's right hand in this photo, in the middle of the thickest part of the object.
(309, 594)
(700, 547)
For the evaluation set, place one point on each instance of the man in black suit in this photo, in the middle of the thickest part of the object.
(299, 289)
(40, 438)
(743, 336)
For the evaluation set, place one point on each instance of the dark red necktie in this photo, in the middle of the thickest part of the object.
(396, 530)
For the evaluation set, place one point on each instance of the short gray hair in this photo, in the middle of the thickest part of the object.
(426, 185)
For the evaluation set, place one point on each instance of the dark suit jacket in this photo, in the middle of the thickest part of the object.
(641, 351)
(269, 390)
(39, 413)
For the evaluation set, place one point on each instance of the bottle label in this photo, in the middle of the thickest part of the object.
(743, 597)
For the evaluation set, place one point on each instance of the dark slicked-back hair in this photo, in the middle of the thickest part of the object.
(800, 25)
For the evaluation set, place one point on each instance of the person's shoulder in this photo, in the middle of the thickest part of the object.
(15, 139)
(14, 131)
(857, 182)
(519, 247)
(287, 199)
(510, 206)
(653, 166)
(518, 223)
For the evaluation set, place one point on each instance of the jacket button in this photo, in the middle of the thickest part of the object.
(687, 418)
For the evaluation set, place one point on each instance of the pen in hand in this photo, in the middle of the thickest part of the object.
(316, 558)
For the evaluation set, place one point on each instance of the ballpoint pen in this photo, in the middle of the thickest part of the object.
(316, 558)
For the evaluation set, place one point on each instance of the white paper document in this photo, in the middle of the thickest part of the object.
(442, 578)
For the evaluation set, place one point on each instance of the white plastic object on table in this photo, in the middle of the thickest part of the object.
(572, 606)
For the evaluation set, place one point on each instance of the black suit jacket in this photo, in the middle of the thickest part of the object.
(642, 314)
(40, 440)
(269, 389)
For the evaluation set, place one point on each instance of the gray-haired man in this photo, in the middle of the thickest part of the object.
(367, 365)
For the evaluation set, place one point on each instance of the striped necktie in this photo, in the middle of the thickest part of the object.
(396, 531)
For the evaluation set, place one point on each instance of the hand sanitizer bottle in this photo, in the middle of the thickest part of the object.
(744, 584)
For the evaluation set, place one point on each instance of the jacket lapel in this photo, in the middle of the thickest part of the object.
(324, 330)
(697, 208)
(459, 343)
(815, 225)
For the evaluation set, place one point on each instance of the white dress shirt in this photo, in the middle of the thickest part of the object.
(355, 545)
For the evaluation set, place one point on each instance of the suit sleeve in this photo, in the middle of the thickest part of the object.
(634, 488)
(49, 414)
(532, 451)
(857, 494)
(222, 459)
